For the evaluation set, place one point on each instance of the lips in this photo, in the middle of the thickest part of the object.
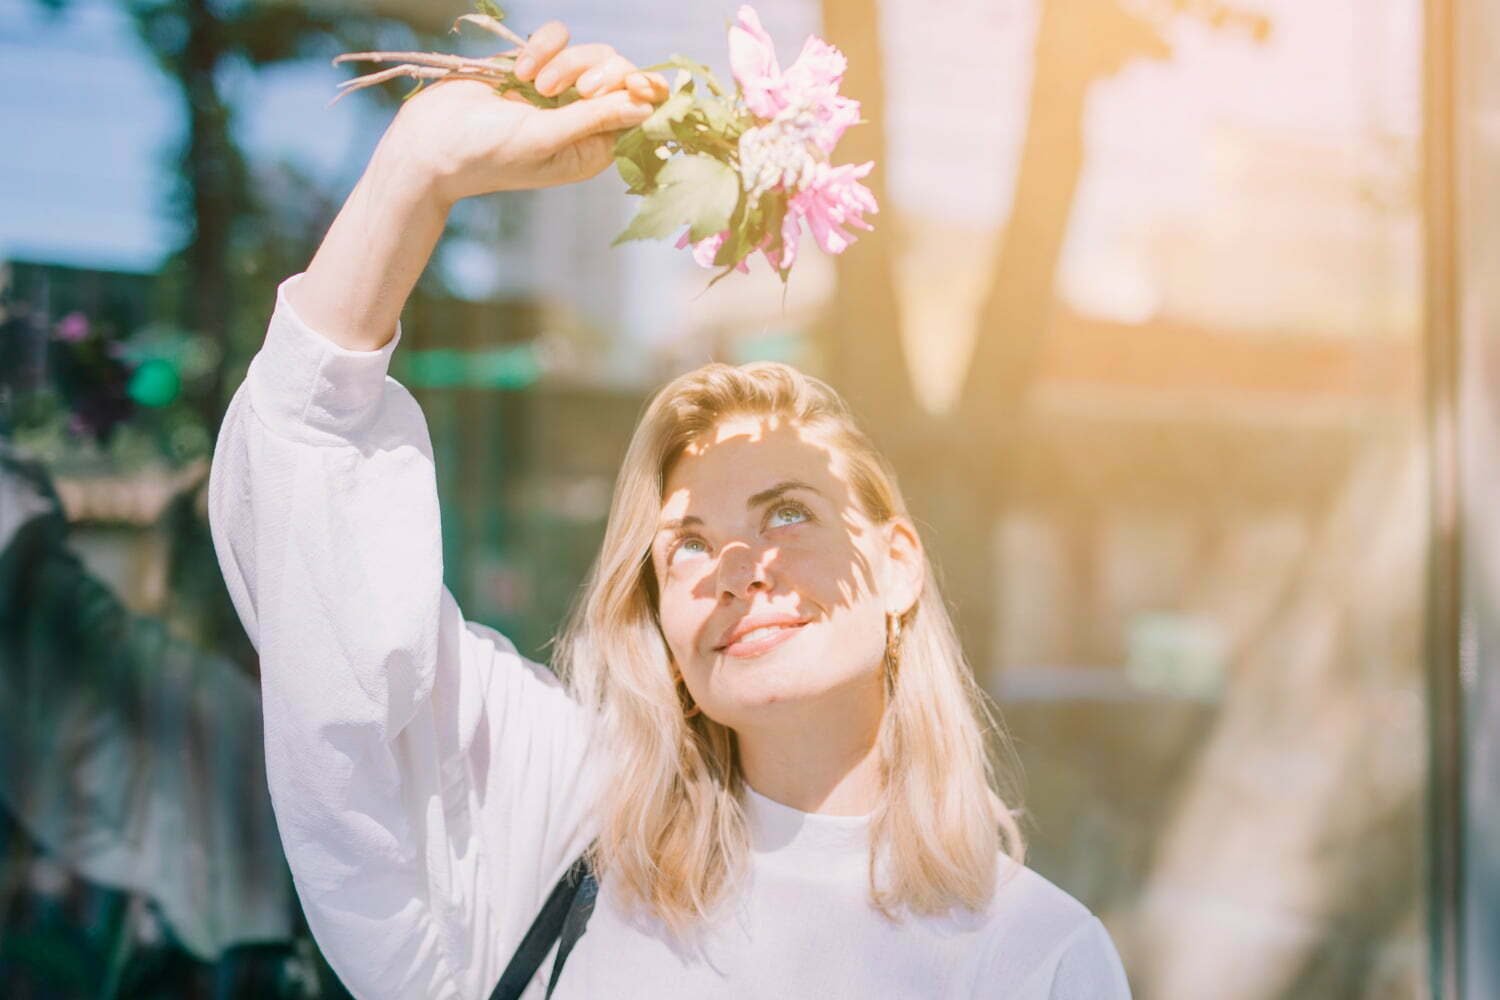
(761, 641)
(756, 631)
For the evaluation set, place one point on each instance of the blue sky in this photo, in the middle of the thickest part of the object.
(91, 126)
(80, 183)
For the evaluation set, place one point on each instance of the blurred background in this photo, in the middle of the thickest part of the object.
(1179, 323)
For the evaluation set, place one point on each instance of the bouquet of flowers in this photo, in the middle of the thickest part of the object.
(733, 173)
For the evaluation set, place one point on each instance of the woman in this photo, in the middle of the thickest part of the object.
(767, 733)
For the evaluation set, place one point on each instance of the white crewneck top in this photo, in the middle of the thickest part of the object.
(431, 784)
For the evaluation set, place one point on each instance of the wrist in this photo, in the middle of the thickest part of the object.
(411, 179)
(373, 254)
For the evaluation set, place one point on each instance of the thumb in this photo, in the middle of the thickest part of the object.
(592, 116)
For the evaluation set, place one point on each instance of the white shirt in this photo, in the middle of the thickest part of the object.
(429, 782)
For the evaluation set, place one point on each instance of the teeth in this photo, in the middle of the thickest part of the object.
(761, 633)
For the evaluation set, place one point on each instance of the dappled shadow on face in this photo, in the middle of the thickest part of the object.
(760, 516)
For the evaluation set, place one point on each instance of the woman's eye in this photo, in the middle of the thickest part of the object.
(796, 510)
(782, 516)
(690, 546)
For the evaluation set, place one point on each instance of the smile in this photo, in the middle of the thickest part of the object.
(760, 641)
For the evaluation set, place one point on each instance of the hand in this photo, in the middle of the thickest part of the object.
(464, 140)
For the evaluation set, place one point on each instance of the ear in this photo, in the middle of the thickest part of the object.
(905, 569)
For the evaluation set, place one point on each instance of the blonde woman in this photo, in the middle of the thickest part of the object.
(765, 743)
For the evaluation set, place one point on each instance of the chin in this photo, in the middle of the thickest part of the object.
(772, 692)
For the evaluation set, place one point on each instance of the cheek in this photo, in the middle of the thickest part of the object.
(828, 571)
(684, 611)
(856, 635)
(848, 589)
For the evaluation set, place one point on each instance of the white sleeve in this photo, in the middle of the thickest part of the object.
(1089, 967)
(429, 783)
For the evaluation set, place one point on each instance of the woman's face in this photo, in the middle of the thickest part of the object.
(773, 584)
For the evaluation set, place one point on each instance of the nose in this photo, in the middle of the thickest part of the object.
(742, 571)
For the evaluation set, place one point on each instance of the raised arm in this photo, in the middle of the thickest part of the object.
(427, 779)
(456, 140)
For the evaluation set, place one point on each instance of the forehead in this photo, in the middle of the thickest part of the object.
(741, 456)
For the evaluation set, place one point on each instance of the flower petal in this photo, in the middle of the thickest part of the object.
(752, 57)
(831, 199)
(706, 249)
(834, 116)
(819, 68)
(784, 257)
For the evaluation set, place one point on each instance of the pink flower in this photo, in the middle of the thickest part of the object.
(819, 67)
(791, 235)
(72, 328)
(831, 199)
(707, 248)
(834, 115)
(809, 87)
(812, 83)
(753, 60)
(801, 118)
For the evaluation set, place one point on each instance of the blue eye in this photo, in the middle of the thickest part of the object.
(796, 508)
(695, 545)
(682, 546)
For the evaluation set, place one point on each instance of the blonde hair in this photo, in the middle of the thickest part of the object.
(673, 833)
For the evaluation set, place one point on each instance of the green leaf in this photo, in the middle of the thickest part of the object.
(630, 172)
(720, 276)
(737, 245)
(670, 112)
(633, 143)
(719, 115)
(682, 62)
(771, 212)
(639, 151)
(490, 9)
(775, 212)
(694, 190)
(534, 97)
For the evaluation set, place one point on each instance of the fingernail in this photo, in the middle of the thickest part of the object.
(588, 81)
(524, 66)
(544, 80)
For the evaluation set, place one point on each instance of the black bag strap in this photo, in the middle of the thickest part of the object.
(562, 918)
(575, 923)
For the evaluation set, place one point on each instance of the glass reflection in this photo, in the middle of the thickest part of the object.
(1140, 327)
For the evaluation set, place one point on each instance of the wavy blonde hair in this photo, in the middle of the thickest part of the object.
(673, 832)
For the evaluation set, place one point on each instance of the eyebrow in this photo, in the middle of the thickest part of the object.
(757, 500)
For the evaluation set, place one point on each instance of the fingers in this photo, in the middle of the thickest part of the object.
(606, 76)
(581, 119)
(547, 61)
(651, 87)
(544, 43)
(568, 65)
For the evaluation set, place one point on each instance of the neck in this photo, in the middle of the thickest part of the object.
(817, 761)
